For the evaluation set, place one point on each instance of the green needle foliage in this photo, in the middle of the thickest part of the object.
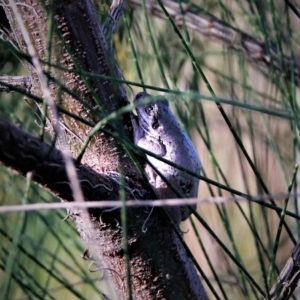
(243, 119)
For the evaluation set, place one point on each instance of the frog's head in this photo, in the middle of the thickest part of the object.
(150, 115)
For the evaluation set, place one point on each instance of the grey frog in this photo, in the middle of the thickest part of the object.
(157, 130)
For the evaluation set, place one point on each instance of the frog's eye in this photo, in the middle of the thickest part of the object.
(149, 110)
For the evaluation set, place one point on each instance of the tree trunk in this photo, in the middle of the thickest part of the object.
(159, 264)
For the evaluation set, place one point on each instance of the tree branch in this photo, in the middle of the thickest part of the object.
(157, 253)
(25, 153)
(20, 82)
(159, 264)
(288, 278)
(257, 51)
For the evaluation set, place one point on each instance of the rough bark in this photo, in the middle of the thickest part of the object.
(159, 264)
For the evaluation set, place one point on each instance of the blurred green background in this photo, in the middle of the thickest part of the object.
(41, 253)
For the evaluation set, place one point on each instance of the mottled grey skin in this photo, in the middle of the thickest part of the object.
(157, 130)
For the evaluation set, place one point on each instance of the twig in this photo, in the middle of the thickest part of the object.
(288, 278)
(111, 22)
(135, 203)
(22, 82)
